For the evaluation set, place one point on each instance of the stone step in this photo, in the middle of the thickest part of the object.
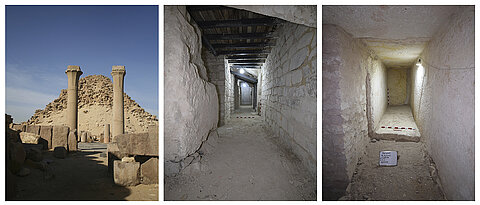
(399, 137)
(397, 124)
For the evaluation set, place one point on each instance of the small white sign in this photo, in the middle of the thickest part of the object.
(388, 158)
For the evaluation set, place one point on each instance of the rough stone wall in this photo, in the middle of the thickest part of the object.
(229, 93)
(289, 93)
(397, 85)
(346, 63)
(443, 103)
(304, 14)
(215, 69)
(259, 93)
(334, 164)
(191, 103)
(236, 93)
(95, 98)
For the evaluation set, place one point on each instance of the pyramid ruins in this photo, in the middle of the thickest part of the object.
(95, 102)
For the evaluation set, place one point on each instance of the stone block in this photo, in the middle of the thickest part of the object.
(17, 156)
(126, 173)
(149, 171)
(35, 129)
(72, 141)
(128, 159)
(19, 127)
(153, 131)
(297, 76)
(29, 138)
(113, 153)
(138, 144)
(298, 58)
(60, 136)
(12, 135)
(60, 152)
(46, 135)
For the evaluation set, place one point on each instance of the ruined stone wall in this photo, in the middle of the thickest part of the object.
(289, 94)
(215, 66)
(48, 136)
(191, 102)
(141, 152)
(443, 103)
(95, 98)
(346, 63)
(397, 85)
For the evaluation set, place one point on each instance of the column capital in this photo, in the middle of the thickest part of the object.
(118, 69)
(74, 68)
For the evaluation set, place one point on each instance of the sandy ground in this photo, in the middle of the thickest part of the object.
(246, 164)
(410, 180)
(80, 176)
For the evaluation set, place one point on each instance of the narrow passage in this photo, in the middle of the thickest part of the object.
(246, 163)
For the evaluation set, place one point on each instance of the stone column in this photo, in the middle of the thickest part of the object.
(73, 73)
(106, 134)
(118, 73)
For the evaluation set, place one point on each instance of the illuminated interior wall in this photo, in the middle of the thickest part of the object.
(397, 85)
(443, 103)
(377, 95)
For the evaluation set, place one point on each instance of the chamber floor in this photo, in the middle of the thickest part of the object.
(398, 124)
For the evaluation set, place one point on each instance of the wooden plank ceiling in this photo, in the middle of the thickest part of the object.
(244, 37)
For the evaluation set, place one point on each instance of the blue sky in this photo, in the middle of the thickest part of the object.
(42, 40)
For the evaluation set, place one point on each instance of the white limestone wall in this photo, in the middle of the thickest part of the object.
(397, 85)
(348, 69)
(289, 93)
(191, 103)
(216, 74)
(377, 100)
(229, 93)
(443, 103)
(259, 93)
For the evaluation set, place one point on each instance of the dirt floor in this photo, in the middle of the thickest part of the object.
(246, 163)
(414, 178)
(80, 176)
